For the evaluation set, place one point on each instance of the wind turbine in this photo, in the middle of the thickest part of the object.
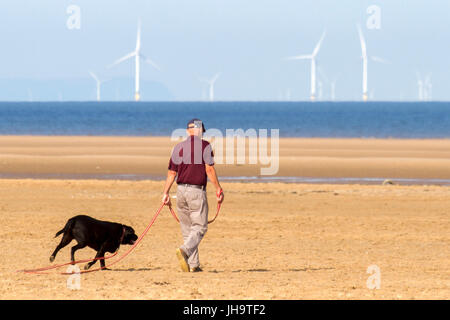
(365, 62)
(211, 83)
(137, 55)
(428, 88)
(332, 83)
(288, 94)
(311, 57)
(333, 89)
(320, 91)
(420, 87)
(99, 83)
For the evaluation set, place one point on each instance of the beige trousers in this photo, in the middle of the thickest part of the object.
(192, 207)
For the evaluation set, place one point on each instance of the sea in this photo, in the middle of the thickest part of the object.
(407, 120)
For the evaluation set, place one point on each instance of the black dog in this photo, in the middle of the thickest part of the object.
(99, 235)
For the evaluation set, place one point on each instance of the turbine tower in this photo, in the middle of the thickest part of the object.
(320, 91)
(99, 83)
(288, 94)
(332, 84)
(311, 57)
(365, 62)
(428, 88)
(137, 55)
(420, 87)
(211, 83)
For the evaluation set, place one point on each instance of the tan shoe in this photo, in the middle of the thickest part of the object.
(196, 269)
(182, 258)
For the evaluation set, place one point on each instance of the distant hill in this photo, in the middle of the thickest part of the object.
(119, 89)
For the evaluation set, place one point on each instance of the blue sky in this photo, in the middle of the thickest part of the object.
(244, 40)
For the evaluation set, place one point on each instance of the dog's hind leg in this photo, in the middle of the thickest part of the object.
(79, 245)
(64, 242)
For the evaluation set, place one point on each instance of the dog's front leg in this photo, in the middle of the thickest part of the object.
(100, 254)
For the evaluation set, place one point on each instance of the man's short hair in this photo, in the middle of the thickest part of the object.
(195, 123)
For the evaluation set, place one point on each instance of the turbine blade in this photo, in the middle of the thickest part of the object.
(380, 60)
(216, 76)
(317, 48)
(203, 80)
(301, 57)
(94, 76)
(138, 37)
(128, 56)
(363, 42)
(149, 61)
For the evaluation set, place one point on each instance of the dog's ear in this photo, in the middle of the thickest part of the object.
(129, 230)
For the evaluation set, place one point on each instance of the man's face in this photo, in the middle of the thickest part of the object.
(194, 132)
(195, 129)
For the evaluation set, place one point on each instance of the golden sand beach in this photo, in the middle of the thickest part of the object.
(270, 241)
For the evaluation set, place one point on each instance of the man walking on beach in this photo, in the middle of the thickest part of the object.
(192, 163)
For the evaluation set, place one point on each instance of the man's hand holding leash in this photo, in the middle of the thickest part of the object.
(220, 196)
(166, 199)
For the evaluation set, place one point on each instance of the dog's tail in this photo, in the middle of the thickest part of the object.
(66, 227)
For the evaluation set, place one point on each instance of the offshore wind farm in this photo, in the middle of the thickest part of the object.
(420, 87)
(316, 85)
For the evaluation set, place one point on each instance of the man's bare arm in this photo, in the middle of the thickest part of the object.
(171, 175)
(211, 173)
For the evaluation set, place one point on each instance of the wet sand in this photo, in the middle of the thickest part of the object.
(30, 156)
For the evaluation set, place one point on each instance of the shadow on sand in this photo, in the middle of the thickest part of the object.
(137, 269)
(268, 270)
